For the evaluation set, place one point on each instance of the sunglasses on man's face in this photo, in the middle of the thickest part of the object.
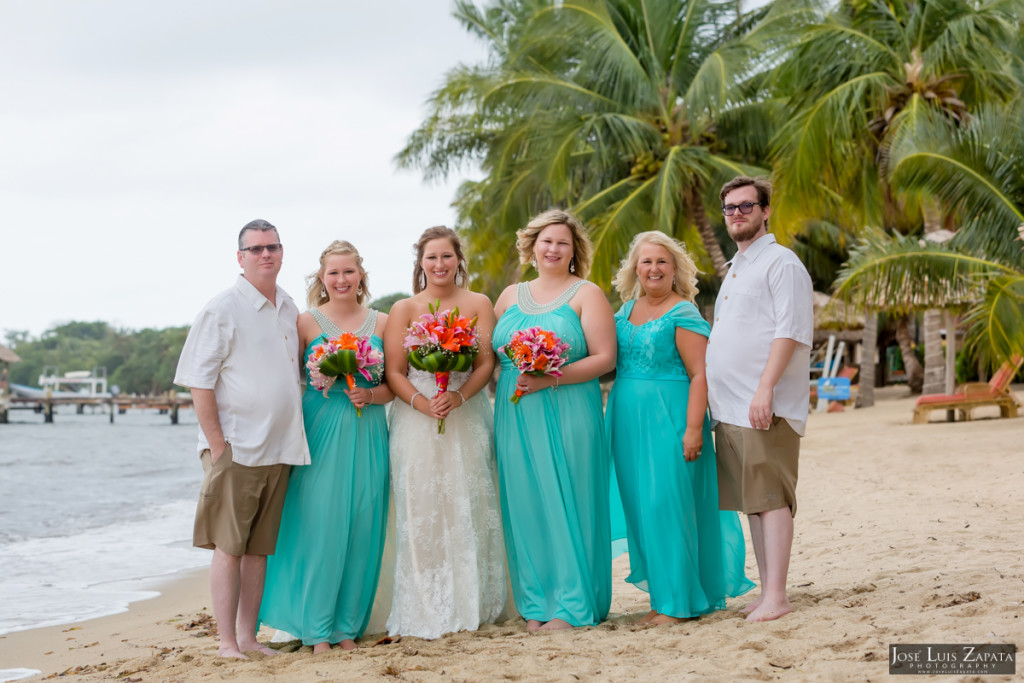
(272, 248)
(745, 208)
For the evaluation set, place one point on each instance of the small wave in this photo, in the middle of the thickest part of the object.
(70, 578)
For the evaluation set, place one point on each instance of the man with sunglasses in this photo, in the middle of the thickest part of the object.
(758, 373)
(241, 361)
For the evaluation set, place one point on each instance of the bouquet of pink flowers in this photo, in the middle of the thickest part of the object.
(535, 352)
(442, 342)
(344, 356)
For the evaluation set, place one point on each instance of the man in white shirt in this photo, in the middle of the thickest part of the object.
(241, 361)
(758, 373)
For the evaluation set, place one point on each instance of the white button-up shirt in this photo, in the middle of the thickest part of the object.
(247, 351)
(766, 295)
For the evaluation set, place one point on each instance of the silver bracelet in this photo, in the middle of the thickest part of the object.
(371, 396)
(556, 383)
(412, 401)
(462, 397)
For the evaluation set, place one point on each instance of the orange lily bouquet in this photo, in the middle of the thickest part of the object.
(344, 356)
(441, 342)
(535, 352)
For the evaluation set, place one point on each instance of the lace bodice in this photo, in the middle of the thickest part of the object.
(426, 384)
(648, 350)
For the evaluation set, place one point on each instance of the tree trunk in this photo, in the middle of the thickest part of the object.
(934, 359)
(934, 362)
(869, 346)
(915, 373)
(695, 208)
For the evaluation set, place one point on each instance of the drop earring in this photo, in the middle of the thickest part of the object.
(323, 292)
(572, 265)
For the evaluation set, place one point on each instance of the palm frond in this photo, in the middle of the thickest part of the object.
(996, 323)
(902, 274)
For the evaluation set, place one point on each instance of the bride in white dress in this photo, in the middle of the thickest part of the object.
(449, 553)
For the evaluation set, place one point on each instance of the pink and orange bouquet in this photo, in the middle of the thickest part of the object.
(442, 342)
(344, 356)
(535, 352)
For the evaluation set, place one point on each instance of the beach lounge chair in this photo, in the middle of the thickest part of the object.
(995, 392)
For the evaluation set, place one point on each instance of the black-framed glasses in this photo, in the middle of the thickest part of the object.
(271, 248)
(745, 208)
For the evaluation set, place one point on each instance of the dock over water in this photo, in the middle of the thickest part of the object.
(171, 402)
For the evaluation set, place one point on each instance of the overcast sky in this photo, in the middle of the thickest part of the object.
(137, 137)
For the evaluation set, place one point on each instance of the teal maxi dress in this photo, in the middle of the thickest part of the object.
(682, 550)
(322, 579)
(553, 473)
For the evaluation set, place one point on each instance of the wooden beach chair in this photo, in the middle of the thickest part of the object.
(995, 392)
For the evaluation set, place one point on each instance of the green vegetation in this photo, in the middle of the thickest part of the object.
(880, 122)
(630, 114)
(384, 303)
(139, 362)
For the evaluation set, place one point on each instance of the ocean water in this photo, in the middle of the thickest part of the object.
(92, 515)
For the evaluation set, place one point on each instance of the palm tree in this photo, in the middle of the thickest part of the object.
(980, 172)
(868, 72)
(629, 112)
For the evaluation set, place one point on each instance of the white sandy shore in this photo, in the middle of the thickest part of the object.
(906, 534)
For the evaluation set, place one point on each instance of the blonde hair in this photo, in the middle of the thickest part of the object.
(316, 293)
(438, 232)
(582, 247)
(685, 281)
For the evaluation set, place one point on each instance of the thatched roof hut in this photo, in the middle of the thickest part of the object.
(834, 317)
(8, 356)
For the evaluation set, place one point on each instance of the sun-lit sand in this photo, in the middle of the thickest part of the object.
(906, 534)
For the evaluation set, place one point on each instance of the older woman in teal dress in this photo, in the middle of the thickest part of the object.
(321, 582)
(553, 458)
(682, 550)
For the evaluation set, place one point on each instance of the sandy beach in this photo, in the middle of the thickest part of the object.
(906, 534)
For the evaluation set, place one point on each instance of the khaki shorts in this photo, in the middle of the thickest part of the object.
(239, 507)
(757, 468)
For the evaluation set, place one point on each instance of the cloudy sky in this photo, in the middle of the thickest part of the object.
(136, 138)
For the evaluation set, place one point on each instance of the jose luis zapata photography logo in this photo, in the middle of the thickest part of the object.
(960, 659)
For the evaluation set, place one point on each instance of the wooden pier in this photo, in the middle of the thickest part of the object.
(171, 402)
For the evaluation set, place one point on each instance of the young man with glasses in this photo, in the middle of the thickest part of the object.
(241, 361)
(758, 373)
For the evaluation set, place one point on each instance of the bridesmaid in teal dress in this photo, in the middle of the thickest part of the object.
(682, 550)
(321, 581)
(553, 457)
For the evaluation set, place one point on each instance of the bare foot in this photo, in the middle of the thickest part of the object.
(348, 644)
(646, 619)
(750, 607)
(230, 652)
(556, 625)
(769, 611)
(658, 619)
(255, 646)
(533, 625)
(321, 648)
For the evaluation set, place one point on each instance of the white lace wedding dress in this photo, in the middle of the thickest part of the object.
(449, 553)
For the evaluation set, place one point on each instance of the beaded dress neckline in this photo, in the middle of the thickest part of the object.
(331, 330)
(526, 303)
